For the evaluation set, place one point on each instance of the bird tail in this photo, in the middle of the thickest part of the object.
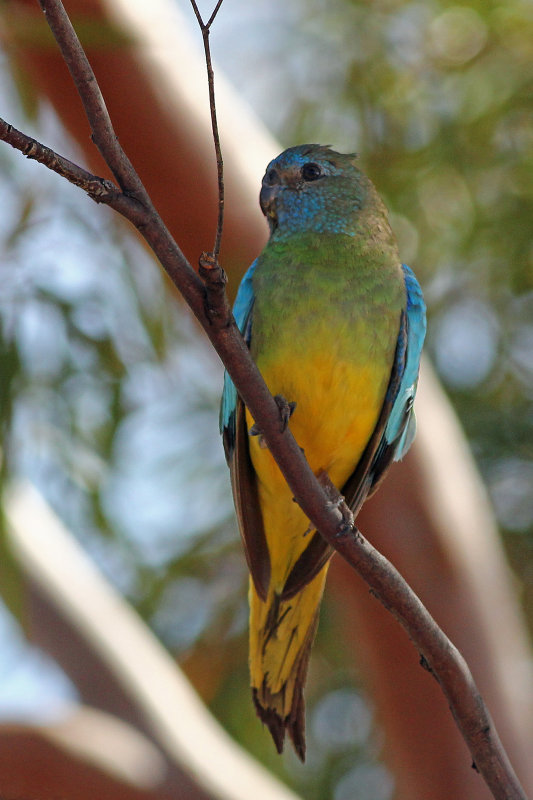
(281, 636)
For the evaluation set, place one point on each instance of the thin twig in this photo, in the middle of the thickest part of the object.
(438, 653)
(198, 15)
(205, 29)
(99, 189)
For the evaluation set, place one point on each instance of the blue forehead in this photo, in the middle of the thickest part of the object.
(302, 154)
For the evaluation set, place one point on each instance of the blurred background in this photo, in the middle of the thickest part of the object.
(109, 395)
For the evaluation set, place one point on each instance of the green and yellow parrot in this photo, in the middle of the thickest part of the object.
(335, 324)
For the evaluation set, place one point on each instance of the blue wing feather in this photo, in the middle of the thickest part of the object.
(242, 311)
(401, 425)
(395, 429)
(235, 438)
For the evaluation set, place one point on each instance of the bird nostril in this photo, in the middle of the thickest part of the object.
(271, 177)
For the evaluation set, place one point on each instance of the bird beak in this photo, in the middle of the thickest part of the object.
(267, 201)
(267, 197)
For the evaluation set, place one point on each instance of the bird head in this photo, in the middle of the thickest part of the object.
(313, 188)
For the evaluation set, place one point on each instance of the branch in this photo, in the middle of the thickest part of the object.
(99, 189)
(437, 652)
(83, 76)
(206, 28)
(441, 658)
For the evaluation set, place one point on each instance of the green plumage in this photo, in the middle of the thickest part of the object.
(316, 290)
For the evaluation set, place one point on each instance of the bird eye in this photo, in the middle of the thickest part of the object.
(271, 177)
(311, 171)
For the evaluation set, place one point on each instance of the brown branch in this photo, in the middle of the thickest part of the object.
(437, 652)
(440, 657)
(99, 189)
(103, 134)
(217, 306)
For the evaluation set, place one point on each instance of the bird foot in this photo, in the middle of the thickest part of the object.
(286, 409)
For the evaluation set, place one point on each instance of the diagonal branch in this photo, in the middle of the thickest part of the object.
(437, 652)
(99, 189)
(213, 15)
(441, 658)
(103, 134)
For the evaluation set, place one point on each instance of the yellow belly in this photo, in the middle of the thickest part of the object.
(338, 404)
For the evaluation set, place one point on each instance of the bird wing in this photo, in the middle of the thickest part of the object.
(235, 438)
(401, 424)
(392, 436)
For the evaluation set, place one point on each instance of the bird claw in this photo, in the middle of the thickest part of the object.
(286, 410)
(255, 430)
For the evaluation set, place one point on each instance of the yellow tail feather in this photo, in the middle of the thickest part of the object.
(281, 636)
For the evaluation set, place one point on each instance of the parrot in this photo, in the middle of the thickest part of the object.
(335, 323)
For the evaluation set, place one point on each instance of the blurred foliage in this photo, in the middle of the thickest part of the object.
(101, 373)
(109, 397)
